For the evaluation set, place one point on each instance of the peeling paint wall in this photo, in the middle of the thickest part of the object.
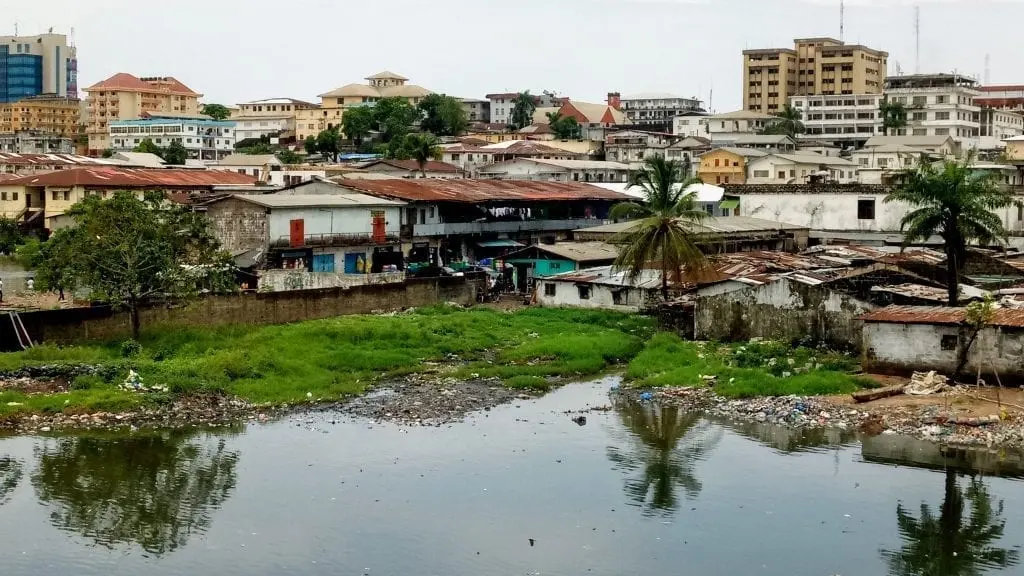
(904, 348)
(280, 280)
(782, 310)
(599, 296)
(238, 225)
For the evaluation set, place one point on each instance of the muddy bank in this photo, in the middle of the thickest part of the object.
(961, 418)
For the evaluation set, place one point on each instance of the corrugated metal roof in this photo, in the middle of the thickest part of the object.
(52, 160)
(316, 200)
(412, 165)
(608, 276)
(1005, 317)
(254, 160)
(581, 251)
(134, 177)
(935, 294)
(719, 225)
(475, 191)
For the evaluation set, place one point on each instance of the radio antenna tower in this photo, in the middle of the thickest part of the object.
(842, 20)
(917, 39)
(988, 69)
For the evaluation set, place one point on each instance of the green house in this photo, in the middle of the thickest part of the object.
(543, 260)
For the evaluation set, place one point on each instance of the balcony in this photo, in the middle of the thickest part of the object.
(503, 227)
(320, 240)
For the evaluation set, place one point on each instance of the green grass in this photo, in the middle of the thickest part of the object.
(339, 356)
(744, 370)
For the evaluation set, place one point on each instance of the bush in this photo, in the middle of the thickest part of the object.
(528, 383)
(86, 382)
(130, 348)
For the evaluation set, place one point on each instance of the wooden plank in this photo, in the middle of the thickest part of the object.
(877, 393)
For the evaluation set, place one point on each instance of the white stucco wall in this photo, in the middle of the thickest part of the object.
(346, 220)
(919, 347)
(568, 294)
(282, 280)
(796, 173)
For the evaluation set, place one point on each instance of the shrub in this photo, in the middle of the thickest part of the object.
(130, 348)
(86, 382)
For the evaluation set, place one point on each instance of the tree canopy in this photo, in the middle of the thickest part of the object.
(394, 117)
(956, 203)
(443, 115)
(289, 157)
(893, 114)
(175, 154)
(523, 107)
(126, 250)
(216, 111)
(10, 235)
(357, 123)
(565, 127)
(422, 148)
(147, 146)
(327, 142)
(787, 122)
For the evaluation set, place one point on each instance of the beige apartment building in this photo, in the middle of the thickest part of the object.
(378, 86)
(47, 113)
(126, 97)
(815, 66)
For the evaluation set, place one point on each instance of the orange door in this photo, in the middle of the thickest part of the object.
(298, 232)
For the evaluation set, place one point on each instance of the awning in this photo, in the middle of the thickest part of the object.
(729, 204)
(500, 244)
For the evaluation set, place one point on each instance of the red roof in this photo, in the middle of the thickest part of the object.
(5, 177)
(1007, 317)
(135, 178)
(997, 88)
(11, 158)
(481, 190)
(125, 81)
(412, 165)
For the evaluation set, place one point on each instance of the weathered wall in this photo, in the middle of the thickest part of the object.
(601, 296)
(782, 310)
(63, 326)
(239, 225)
(904, 348)
(279, 280)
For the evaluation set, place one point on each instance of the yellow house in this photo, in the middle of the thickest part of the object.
(45, 113)
(125, 97)
(378, 86)
(726, 165)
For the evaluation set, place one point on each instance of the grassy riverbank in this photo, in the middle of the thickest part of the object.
(327, 359)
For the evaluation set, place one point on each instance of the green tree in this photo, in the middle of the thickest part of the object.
(443, 115)
(893, 115)
(148, 146)
(357, 123)
(523, 107)
(54, 263)
(566, 128)
(289, 157)
(956, 203)
(667, 444)
(258, 147)
(128, 250)
(108, 152)
(952, 545)
(216, 111)
(787, 123)
(394, 117)
(10, 475)
(175, 154)
(422, 148)
(10, 235)
(310, 145)
(661, 232)
(153, 490)
(328, 142)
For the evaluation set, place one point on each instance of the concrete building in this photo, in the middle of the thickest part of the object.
(471, 157)
(34, 65)
(602, 287)
(1001, 97)
(28, 164)
(904, 339)
(635, 146)
(32, 142)
(596, 121)
(476, 110)
(277, 117)
(766, 142)
(203, 139)
(720, 233)
(845, 121)
(998, 125)
(259, 166)
(125, 97)
(815, 66)
(45, 113)
(380, 85)
(658, 111)
(692, 124)
(411, 169)
(800, 169)
(725, 129)
(881, 164)
(543, 260)
(250, 127)
(939, 105)
(501, 104)
(556, 170)
(727, 165)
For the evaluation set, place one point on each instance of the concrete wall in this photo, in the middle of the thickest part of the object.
(904, 348)
(239, 225)
(100, 323)
(782, 310)
(280, 280)
(601, 296)
(354, 220)
(793, 172)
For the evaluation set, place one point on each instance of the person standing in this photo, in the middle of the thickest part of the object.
(1, 289)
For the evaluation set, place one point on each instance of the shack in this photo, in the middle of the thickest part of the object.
(543, 260)
(600, 287)
(720, 234)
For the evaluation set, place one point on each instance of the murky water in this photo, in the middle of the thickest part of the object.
(518, 490)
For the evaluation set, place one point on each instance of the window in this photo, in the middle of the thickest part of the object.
(14, 196)
(866, 209)
(717, 162)
(782, 174)
(430, 213)
(920, 131)
(942, 115)
(920, 100)
(942, 99)
(921, 116)
(942, 131)
(67, 195)
(54, 194)
(549, 288)
(3, 195)
(949, 341)
(718, 179)
(760, 173)
(584, 292)
(618, 297)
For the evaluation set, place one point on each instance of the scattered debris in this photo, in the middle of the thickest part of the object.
(925, 383)
(877, 393)
(580, 420)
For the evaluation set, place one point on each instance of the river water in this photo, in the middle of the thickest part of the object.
(519, 490)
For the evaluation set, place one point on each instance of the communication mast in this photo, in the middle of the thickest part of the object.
(842, 20)
(917, 39)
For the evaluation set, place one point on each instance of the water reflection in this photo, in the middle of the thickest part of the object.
(154, 490)
(10, 475)
(952, 545)
(665, 445)
(792, 440)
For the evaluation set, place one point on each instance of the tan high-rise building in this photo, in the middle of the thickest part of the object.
(815, 66)
(125, 97)
(47, 113)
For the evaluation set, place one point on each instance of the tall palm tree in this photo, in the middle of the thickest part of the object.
(893, 114)
(956, 203)
(423, 148)
(947, 545)
(522, 111)
(668, 444)
(787, 122)
(662, 232)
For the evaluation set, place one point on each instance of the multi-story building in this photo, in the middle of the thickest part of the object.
(125, 97)
(814, 66)
(378, 86)
(998, 125)
(204, 139)
(33, 65)
(1001, 97)
(725, 129)
(938, 105)
(845, 121)
(31, 142)
(45, 113)
(657, 111)
(501, 105)
(276, 117)
(691, 124)
(477, 110)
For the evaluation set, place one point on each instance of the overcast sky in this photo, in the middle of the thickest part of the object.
(238, 50)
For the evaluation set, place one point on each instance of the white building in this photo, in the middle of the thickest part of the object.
(204, 139)
(258, 166)
(658, 110)
(635, 145)
(600, 287)
(725, 129)
(258, 126)
(766, 142)
(938, 105)
(691, 124)
(556, 170)
(800, 169)
(878, 164)
(846, 121)
(997, 126)
(501, 105)
(34, 142)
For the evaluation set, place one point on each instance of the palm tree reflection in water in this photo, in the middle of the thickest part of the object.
(10, 475)
(667, 444)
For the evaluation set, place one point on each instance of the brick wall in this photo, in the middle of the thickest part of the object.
(100, 323)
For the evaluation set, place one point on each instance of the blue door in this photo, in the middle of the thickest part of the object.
(352, 263)
(323, 263)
